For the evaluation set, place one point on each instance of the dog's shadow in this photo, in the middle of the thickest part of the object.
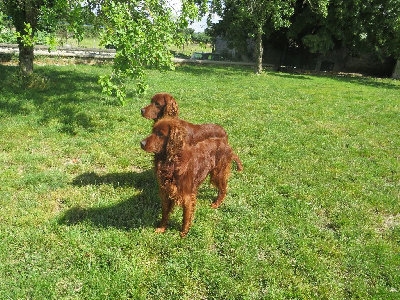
(140, 210)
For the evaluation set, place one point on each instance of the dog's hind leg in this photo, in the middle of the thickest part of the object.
(219, 178)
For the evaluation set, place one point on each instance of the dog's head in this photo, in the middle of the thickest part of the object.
(168, 137)
(162, 105)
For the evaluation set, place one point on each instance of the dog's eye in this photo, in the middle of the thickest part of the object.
(157, 104)
(159, 134)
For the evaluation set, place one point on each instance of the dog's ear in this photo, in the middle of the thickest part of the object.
(176, 139)
(171, 107)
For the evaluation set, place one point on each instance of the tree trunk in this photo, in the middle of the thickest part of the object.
(259, 52)
(340, 57)
(23, 13)
(396, 71)
(25, 59)
(282, 57)
(318, 64)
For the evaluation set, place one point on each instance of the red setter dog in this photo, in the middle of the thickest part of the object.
(182, 167)
(164, 105)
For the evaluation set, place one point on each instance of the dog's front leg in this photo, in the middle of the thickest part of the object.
(189, 203)
(166, 206)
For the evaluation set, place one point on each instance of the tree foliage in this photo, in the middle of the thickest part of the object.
(6, 34)
(142, 33)
(350, 26)
(25, 15)
(256, 19)
(369, 26)
(30, 16)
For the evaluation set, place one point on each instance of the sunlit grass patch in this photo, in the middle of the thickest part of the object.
(314, 214)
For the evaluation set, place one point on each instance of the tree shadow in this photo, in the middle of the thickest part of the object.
(208, 70)
(180, 54)
(8, 102)
(56, 94)
(138, 211)
(10, 106)
(288, 75)
(366, 81)
(342, 77)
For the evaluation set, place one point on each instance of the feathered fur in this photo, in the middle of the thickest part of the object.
(164, 105)
(161, 105)
(181, 167)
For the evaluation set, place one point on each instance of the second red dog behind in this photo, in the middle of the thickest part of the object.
(181, 167)
(161, 105)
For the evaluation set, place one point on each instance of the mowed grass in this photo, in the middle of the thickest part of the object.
(314, 215)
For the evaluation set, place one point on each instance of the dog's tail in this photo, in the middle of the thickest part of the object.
(239, 165)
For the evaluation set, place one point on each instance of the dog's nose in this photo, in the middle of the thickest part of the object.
(142, 111)
(143, 144)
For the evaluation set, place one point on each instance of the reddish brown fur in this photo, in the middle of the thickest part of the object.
(164, 105)
(182, 167)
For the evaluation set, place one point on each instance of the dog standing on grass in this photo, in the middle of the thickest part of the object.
(182, 166)
(164, 105)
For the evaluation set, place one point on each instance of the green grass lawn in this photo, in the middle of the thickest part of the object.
(314, 215)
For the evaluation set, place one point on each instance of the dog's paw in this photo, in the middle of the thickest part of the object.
(215, 205)
(160, 230)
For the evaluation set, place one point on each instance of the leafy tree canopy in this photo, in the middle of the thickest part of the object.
(257, 19)
(370, 26)
(141, 31)
(29, 16)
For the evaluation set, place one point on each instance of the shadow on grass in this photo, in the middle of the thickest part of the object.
(55, 95)
(180, 54)
(141, 210)
(214, 70)
(12, 107)
(367, 81)
(349, 78)
(288, 75)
